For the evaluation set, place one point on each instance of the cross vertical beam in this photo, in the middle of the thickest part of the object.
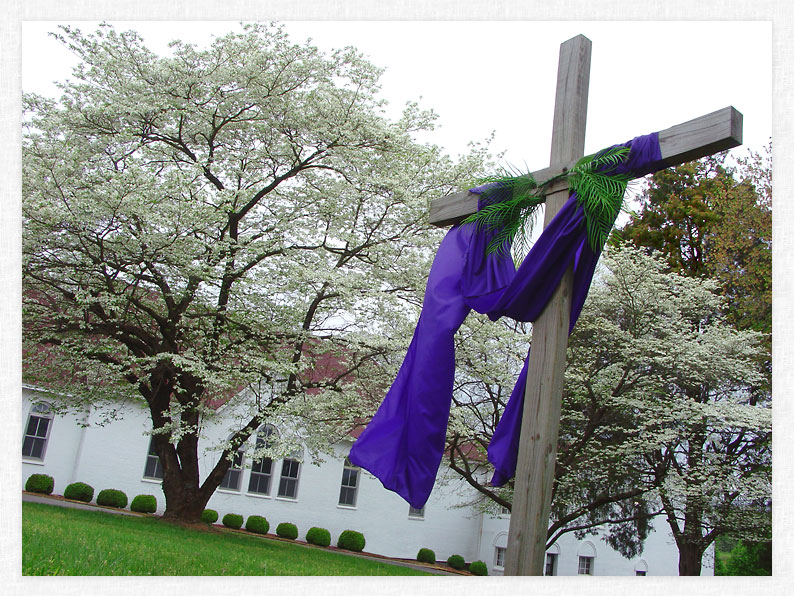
(529, 520)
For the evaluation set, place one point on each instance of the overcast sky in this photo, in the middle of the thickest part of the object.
(499, 76)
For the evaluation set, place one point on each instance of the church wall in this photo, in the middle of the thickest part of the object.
(114, 456)
(62, 445)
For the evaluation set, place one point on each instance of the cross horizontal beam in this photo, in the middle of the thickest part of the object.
(681, 143)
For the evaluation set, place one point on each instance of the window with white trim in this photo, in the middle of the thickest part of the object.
(585, 565)
(349, 489)
(290, 471)
(416, 513)
(231, 480)
(37, 431)
(551, 564)
(499, 556)
(153, 469)
(262, 467)
(641, 567)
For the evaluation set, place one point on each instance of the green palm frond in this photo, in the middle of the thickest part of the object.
(513, 215)
(600, 192)
(515, 197)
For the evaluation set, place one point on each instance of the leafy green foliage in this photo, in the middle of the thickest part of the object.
(287, 530)
(79, 491)
(257, 524)
(209, 516)
(512, 200)
(478, 568)
(111, 497)
(233, 520)
(511, 203)
(747, 558)
(709, 219)
(40, 483)
(144, 504)
(456, 562)
(318, 536)
(426, 555)
(600, 192)
(351, 540)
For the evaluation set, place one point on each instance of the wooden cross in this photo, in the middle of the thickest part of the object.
(537, 454)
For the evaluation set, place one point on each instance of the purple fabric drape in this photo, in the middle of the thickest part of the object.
(404, 442)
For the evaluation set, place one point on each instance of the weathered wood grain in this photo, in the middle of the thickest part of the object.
(537, 452)
(684, 142)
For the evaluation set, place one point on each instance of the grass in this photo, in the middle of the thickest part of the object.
(60, 541)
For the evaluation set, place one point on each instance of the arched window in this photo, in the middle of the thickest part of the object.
(552, 557)
(500, 550)
(262, 466)
(587, 554)
(37, 431)
(641, 567)
(231, 481)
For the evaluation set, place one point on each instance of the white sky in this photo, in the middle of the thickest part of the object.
(500, 76)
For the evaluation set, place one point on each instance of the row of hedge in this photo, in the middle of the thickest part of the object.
(348, 539)
(426, 555)
(80, 491)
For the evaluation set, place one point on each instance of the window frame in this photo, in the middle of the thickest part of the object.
(158, 465)
(234, 466)
(589, 565)
(290, 480)
(39, 414)
(349, 470)
(500, 552)
(263, 437)
(551, 560)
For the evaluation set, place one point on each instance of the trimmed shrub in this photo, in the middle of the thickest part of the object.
(478, 568)
(232, 520)
(144, 504)
(318, 536)
(79, 491)
(351, 540)
(287, 530)
(456, 562)
(40, 483)
(257, 524)
(209, 516)
(110, 497)
(425, 555)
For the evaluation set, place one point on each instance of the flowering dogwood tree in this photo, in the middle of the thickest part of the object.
(658, 416)
(223, 219)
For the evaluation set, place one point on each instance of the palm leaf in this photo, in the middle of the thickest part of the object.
(512, 200)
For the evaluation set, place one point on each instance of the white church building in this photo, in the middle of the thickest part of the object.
(331, 495)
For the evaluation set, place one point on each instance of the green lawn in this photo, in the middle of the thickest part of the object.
(60, 541)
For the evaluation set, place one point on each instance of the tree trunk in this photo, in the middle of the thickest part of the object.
(184, 497)
(183, 503)
(689, 559)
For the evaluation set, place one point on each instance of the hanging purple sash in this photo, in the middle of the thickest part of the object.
(404, 442)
